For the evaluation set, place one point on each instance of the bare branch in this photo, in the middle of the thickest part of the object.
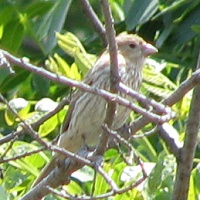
(169, 139)
(56, 178)
(110, 32)
(114, 76)
(22, 155)
(34, 194)
(172, 99)
(185, 160)
(35, 125)
(159, 107)
(147, 117)
(175, 97)
(98, 26)
(115, 135)
(183, 89)
(73, 83)
(46, 145)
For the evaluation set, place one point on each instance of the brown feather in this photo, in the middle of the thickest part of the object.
(83, 123)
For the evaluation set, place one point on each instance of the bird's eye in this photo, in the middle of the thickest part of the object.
(132, 45)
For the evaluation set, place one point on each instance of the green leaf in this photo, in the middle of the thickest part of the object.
(74, 72)
(73, 47)
(51, 23)
(6, 14)
(1, 31)
(27, 163)
(196, 28)
(37, 160)
(196, 179)
(51, 65)
(174, 7)
(59, 66)
(21, 106)
(13, 39)
(156, 83)
(84, 61)
(185, 25)
(38, 8)
(144, 145)
(49, 125)
(101, 184)
(10, 83)
(164, 35)
(161, 180)
(154, 179)
(117, 172)
(40, 84)
(69, 43)
(4, 73)
(74, 188)
(139, 12)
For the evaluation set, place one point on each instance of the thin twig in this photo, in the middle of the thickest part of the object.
(114, 76)
(36, 124)
(56, 178)
(7, 149)
(114, 189)
(187, 152)
(159, 107)
(169, 139)
(98, 26)
(73, 83)
(22, 155)
(108, 179)
(172, 99)
(183, 89)
(114, 134)
(35, 135)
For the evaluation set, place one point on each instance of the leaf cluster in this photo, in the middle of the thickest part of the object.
(58, 36)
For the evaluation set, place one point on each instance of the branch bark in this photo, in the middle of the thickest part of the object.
(185, 160)
(10, 59)
(114, 76)
(172, 99)
(98, 26)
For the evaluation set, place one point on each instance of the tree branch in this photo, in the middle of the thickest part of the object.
(172, 99)
(56, 178)
(170, 139)
(36, 124)
(147, 117)
(114, 76)
(158, 107)
(73, 83)
(185, 160)
(98, 26)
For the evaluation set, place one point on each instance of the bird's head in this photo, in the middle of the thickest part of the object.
(132, 46)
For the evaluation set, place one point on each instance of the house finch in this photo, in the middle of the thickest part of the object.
(83, 123)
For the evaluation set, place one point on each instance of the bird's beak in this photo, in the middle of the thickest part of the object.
(149, 49)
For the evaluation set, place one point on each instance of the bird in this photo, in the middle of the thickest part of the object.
(82, 125)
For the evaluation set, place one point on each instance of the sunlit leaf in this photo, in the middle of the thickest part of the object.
(21, 106)
(73, 47)
(157, 83)
(69, 43)
(50, 124)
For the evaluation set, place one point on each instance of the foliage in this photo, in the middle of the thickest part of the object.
(47, 32)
